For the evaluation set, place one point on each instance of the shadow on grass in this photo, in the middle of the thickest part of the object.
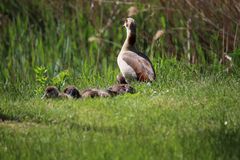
(4, 117)
(227, 143)
(217, 144)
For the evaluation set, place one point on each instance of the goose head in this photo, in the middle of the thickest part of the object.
(130, 24)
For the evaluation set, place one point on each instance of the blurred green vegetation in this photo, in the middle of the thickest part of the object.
(85, 36)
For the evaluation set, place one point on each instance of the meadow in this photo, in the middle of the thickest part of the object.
(191, 111)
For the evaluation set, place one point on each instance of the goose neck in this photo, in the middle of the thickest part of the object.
(130, 40)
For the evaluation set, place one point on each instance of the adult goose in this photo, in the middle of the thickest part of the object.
(133, 64)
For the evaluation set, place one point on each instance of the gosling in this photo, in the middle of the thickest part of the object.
(72, 91)
(53, 93)
(120, 89)
(92, 93)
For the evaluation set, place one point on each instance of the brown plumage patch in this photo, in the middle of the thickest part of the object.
(120, 89)
(141, 65)
(72, 91)
(64, 96)
(88, 93)
(53, 92)
(92, 93)
(132, 39)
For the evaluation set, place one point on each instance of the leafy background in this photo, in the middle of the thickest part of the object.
(85, 36)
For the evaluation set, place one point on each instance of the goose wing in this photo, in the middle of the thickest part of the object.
(140, 64)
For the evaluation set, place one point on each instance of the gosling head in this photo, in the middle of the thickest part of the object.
(72, 91)
(51, 92)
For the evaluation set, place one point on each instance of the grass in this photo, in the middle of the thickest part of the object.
(187, 115)
(73, 34)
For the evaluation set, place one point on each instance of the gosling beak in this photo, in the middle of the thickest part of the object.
(44, 96)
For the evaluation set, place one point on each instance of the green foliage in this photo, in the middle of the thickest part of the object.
(236, 57)
(61, 79)
(41, 79)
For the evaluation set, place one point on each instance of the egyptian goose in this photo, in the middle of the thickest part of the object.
(53, 92)
(120, 89)
(132, 63)
(92, 93)
(72, 91)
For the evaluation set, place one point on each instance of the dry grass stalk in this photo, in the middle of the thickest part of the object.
(158, 34)
(132, 11)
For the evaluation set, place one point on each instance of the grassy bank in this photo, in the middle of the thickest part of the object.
(183, 115)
